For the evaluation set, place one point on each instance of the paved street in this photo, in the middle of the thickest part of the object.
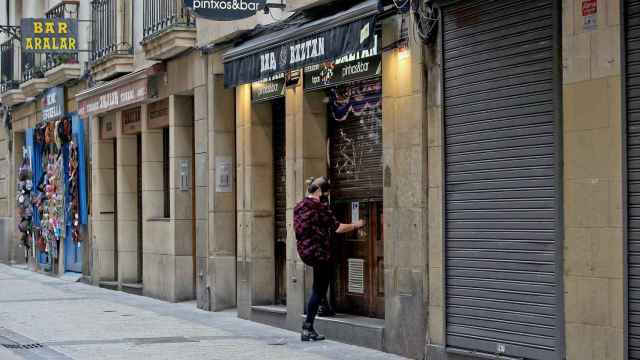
(68, 320)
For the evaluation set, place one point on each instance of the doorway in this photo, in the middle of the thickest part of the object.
(280, 199)
(355, 171)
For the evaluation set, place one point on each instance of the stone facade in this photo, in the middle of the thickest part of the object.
(593, 244)
(217, 245)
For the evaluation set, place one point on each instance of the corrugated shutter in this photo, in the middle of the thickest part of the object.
(279, 170)
(501, 178)
(355, 141)
(632, 84)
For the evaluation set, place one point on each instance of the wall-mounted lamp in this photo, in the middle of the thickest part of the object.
(404, 52)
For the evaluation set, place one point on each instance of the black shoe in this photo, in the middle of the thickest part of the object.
(310, 334)
(326, 311)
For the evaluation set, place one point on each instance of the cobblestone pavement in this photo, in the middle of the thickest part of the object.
(42, 317)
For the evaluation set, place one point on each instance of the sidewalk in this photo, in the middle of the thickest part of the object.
(47, 318)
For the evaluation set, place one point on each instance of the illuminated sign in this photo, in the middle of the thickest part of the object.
(225, 10)
(49, 35)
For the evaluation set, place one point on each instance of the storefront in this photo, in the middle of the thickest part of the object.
(502, 201)
(52, 178)
(323, 98)
(114, 111)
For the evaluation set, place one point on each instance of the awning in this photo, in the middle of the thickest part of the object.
(310, 43)
(126, 90)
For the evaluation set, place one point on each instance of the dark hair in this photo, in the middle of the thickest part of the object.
(315, 184)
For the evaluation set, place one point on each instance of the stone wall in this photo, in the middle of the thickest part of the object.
(593, 246)
(404, 136)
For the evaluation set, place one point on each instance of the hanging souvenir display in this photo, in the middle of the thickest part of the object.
(25, 203)
(54, 185)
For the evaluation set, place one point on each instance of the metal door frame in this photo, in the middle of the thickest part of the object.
(559, 168)
(625, 185)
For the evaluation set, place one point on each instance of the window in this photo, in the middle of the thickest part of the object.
(165, 173)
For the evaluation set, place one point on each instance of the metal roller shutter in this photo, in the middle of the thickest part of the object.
(502, 215)
(632, 85)
(279, 171)
(356, 142)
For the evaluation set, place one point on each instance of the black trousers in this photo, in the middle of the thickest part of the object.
(322, 274)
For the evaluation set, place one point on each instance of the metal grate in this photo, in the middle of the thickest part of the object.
(356, 276)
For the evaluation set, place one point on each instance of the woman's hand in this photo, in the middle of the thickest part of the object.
(360, 224)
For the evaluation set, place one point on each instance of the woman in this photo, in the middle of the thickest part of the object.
(314, 225)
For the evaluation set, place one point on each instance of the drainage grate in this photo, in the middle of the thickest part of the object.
(23, 346)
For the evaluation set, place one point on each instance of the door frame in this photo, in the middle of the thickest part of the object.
(559, 168)
(624, 180)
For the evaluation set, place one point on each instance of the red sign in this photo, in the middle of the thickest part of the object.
(125, 95)
(589, 7)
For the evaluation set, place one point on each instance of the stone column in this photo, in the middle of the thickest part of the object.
(220, 252)
(155, 228)
(6, 222)
(404, 136)
(593, 243)
(102, 205)
(255, 202)
(306, 156)
(127, 204)
(181, 153)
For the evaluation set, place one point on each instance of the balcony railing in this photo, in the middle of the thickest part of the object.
(67, 9)
(160, 15)
(104, 31)
(8, 79)
(34, 65)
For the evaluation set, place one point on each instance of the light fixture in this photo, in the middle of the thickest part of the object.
(403, 50)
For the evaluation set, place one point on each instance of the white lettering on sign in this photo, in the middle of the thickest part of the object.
(116, 98)
(226, 5)
(366, 53)
(268, 62)
(307, 50)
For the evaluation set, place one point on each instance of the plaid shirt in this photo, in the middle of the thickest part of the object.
(314, 225)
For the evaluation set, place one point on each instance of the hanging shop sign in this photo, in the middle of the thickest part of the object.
(49, 35)
(158, 114)
(131, 121)
(225, 10)
(53, 104)
(299, 51)
(353, 67)
(269, 89)
(122, 96)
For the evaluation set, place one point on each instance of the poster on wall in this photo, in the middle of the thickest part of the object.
(590, 14)
(49, 35)
(224, 182)
(225, 10)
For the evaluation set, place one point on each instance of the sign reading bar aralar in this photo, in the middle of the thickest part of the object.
(49, 35)
(53, 104)
(225, 10)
